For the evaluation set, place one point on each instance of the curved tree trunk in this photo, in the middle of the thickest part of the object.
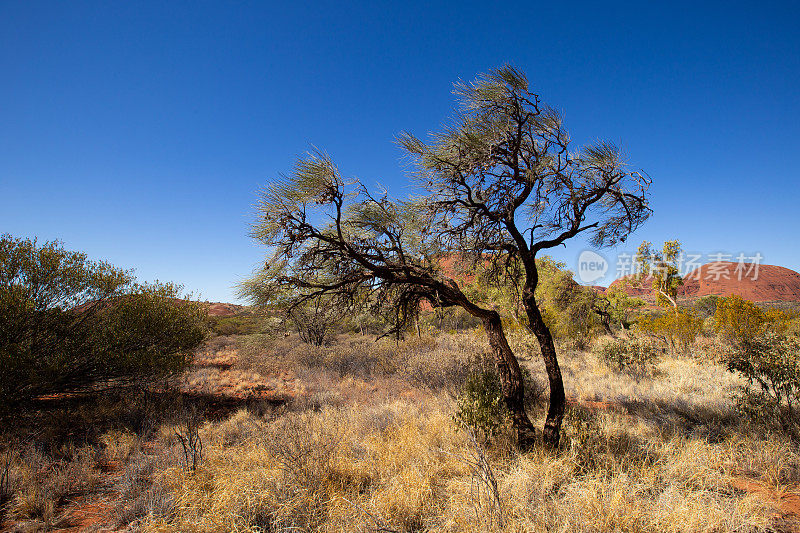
(555, 411)
(511, 380)
(512, 383)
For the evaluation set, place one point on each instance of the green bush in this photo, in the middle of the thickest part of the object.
(770, 363)
(636, 357)
(68, 324)
(677, 329)
(480, 404)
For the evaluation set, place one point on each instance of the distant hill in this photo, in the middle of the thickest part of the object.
(223, 309)
(761, 283)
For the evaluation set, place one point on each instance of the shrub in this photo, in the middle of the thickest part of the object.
(737, 320)
(635, 357)
(69, 324)
(706, 306)
(771, 364)
(237, 325)
(480, 403)
(677, 329)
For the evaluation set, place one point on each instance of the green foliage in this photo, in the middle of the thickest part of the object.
(571, 311)
(569, 308)
(621, 305)
(677, 329)
(663, 267)
(480, 404)
(771, 364)
(636, 357)
(246, 324)
(70, 324)
(738, 321)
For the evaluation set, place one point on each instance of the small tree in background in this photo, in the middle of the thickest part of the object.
(499, 185)
(68, 324)
(663, 268)
(616, 306)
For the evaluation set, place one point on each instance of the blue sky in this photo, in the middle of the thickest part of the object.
(140, 132)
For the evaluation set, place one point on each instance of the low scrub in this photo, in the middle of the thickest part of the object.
(408, 467)
(635, 356)
(770, 363)
(676, 329)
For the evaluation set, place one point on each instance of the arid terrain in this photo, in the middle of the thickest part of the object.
(360, 436)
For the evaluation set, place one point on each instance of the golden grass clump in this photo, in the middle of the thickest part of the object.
(408, 467)
(369, 443)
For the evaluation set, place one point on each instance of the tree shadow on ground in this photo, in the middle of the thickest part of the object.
(52, 422)
(677, 417)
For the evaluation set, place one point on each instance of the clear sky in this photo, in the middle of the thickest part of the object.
(139, 132)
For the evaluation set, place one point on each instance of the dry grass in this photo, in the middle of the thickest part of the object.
(664, 457)
(369, 444)
(406, 467)
(40, 484)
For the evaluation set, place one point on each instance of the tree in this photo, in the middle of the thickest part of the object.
(68, 324)
(576, 310)
(615, 306)
(498, 185)
(662, 267)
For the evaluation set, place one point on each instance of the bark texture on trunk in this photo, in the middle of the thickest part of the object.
(555, 410)
(511, 380)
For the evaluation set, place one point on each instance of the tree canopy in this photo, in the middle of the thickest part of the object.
(497, 184)
(69, 324)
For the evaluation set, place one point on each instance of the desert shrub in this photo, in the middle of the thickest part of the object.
(677, 329)
(771, 364)
(737, 320)
(706, 306)
(238, 325)
(479, 405)
(782, 321)
(69, 324)
(636, 356)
